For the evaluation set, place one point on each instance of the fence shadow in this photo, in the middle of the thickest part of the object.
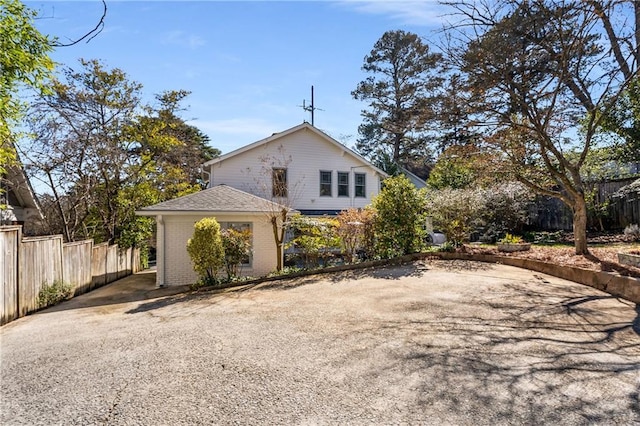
(133, 288)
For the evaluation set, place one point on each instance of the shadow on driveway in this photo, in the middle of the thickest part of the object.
(136, 287)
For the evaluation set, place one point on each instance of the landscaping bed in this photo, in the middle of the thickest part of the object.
(603, 258)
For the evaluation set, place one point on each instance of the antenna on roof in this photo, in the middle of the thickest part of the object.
(310, 108)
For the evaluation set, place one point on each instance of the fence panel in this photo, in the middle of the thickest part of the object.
(40, 263)
(27, 264)
(78, 265)
(123, 255)
(99, 265)
(112, 263)
(550, 214)
(135, 261)
(9, 242)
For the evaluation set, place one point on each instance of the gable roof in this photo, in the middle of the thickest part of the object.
(303, 126)
(415, 179)
(220, 198)
(17, 182)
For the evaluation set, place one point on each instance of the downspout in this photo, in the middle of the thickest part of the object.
(160, 253)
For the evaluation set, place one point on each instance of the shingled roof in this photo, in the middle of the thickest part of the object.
(220, 198)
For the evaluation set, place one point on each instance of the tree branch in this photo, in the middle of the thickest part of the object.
(91, 34)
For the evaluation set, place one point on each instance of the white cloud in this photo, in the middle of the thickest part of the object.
(180, 38)
(425, 12)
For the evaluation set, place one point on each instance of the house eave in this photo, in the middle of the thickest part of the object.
(152, 213)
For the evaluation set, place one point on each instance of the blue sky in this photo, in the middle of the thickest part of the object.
(249, 65)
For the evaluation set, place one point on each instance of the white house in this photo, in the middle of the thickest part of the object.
(231, 208)
(20, 205)
(301, 169)
(313, 173)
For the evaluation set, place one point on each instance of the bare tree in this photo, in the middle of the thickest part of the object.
(272, 183)
(542, 74)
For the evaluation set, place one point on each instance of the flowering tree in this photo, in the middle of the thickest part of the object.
(355, 229)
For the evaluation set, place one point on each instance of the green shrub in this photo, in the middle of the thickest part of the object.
(504, 208)
(455, 212)
(543, 237)
(314, 237)
(237, 248)
(399, 219)
(205, 249)
(55, 293)
(287, 270)
(447, 247)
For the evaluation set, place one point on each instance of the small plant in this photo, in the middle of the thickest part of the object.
(287, 270)
(632, 232)
(448, 247)
(544, 237)
(55, 293)
(512, 239)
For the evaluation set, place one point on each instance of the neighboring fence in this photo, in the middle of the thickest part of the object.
(551, 214)
(27, 264)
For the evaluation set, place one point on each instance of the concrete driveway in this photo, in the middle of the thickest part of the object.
(427, 343)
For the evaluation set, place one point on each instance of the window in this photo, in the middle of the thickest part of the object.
(325, 184)
(242, 227)
(279, 182)
(360, 185)
(343, 184)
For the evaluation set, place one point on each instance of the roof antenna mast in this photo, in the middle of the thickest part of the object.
(310, 108)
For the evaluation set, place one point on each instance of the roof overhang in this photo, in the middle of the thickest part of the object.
(152, 213)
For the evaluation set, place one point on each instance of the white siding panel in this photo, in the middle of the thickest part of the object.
(304, 153)
(178, 229)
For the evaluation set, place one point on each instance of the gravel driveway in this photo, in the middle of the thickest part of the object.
(427, 343)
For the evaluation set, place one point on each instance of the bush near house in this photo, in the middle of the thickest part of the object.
(237, 248)
(314, 238)
(399, 220)
(456, 212)
(356, 232)
(206, 250)
(489, 212)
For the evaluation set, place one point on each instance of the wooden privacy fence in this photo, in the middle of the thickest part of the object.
(28, 264)
(550, 214)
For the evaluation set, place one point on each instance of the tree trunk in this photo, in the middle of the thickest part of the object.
(580, 225)
(279, 230)
(276, 238)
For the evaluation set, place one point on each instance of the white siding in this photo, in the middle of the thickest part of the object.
(176, 263)
(304, 153)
